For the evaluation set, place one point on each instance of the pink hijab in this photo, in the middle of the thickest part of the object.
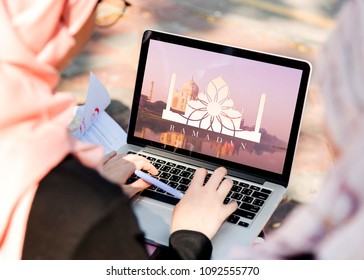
(36, 34)
(332, 226)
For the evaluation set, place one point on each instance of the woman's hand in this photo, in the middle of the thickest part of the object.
(118, 168)
(202, 208)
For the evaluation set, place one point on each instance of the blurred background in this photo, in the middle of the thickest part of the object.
(296, 28)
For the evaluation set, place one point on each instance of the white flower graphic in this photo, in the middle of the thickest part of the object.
(213, 110)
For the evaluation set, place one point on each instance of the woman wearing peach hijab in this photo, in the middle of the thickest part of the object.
(331, 227)
(53, 202)
(30, 116)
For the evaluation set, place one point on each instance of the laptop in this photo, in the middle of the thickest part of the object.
(204, 104)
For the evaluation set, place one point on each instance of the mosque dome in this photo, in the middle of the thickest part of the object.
(191, 89)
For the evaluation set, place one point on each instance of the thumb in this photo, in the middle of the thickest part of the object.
(229, 209)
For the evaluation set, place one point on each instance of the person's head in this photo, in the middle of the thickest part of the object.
(42, 36)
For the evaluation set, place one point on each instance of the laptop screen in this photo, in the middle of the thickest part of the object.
(223, 104)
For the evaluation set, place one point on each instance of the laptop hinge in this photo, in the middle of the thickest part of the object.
(201, 163)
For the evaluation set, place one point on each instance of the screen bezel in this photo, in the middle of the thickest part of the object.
(232, 51)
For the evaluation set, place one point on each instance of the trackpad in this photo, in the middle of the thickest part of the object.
(154, 219)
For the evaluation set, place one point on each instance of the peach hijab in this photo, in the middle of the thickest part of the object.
(35, 35)
(332, 226)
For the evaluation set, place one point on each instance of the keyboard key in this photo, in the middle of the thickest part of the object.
(185, 181)
(173, 184)
(236, 188)
(161, 161)
(249, 207)
(237, 196)
(189, 169)
(258, 202)
(165, 168)
(185, 174)
(164, 175)
(157, 165)
(244, 214)
(266, 191)
(151, 158)
(244, 185)
(182, 188)
(161, 197)
(243, 224)
(247, 199)
(208, 176)
(181, 167)
(260, 195)
(131, 153)
(233, 219)
(247, 191)
(226, 200)
(160, 190)
(174, 178)
(255, 188)
(175, 171)
(171, 164)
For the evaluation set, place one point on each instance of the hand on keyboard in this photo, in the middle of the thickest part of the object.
(119, 168)
(202, 208)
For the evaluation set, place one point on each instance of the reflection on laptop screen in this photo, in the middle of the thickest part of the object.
(224, 106)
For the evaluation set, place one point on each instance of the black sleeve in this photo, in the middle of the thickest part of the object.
(186, 245)
(116, 236)
(77, 214)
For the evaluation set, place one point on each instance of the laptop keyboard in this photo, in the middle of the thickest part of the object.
(250, 197)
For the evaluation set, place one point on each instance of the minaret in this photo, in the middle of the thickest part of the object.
(242, 118)
(260, 113)
(151, 91)
(170, 91)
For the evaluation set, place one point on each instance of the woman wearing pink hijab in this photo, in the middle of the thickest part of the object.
(53, 202)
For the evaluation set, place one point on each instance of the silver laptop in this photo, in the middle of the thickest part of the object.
(202, 104)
